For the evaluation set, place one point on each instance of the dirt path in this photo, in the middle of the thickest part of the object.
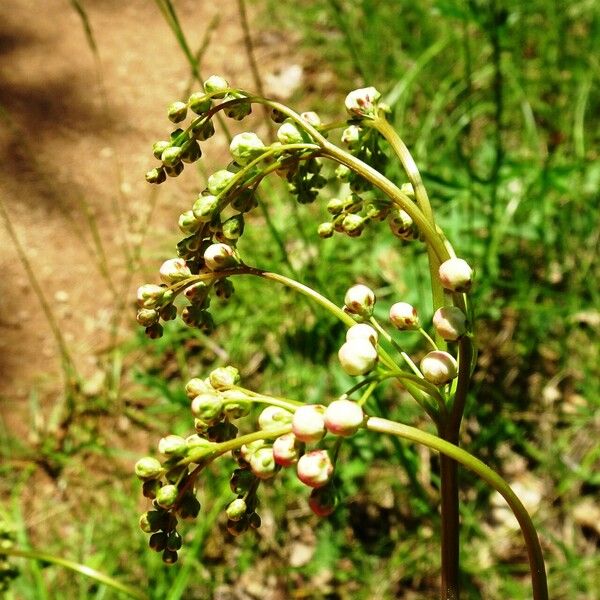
(62, 151)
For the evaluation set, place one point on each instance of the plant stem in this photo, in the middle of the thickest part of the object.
(534, 550)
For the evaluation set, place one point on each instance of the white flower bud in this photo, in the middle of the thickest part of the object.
(285, 450)
(216, 83)
(359, 300)
(148, 468)
(351, 135)
(362, 331)
(204, 207)
(315, 468)
(450, 322)
(358, 357)
(220, 256)
(325, 230)
(166, 496)
(147, 317)
(208, 407)
(150, 295)
(308, 423)
(362, 102)
(456, 275)
(273, 417)
(174, 270)
(404, 316)
(172, 445)
(343, 417)
(171, 156)
(289, 133)
(439, 367)
(312, 118)
(262, 463)
(199, 103)
(219, 180)
(245, 147)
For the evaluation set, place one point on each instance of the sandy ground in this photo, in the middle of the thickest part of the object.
(62, 150)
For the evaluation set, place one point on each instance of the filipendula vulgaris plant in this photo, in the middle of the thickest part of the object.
(291, 434)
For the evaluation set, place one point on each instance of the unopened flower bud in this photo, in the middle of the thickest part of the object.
(262, 463)
(174, 270)
(285, 450)
(215, 83)
(362, 331)
(171, 156)
(189, 506)
(401, 223)
(456, 275)
(342, 173)
(439, 367)
(224, 377)
(351, 135)
(289, 133)
(308, 423)
(450, 322)
(172, 445)
(207, 407)
(154, 331)
(191, 151)
(167, 496)
(325, 230)
(220, 256)
(188, 223)
(335, 206)
(159, 147)
(150, 295)
(147, 317)
(174, 170)
(245, 147)
(169, 557)
(150, 487)
(237, 528)
(408, 189)
(273, 417)
(236, 510)
(362, 102)
(277, 116)
(223, 289)
(404, 316)
(233, 228)
(158, 541)
(219, 180)
(168, 313)
(239, 110)
(323, 500)
(148, 468)
(343, 417)
(196, 386)
(241, 480)
(174, 541)
(358, 357)
(202, 130)
(199, 103)
(177, 112)
(204, 207)
(195, 442)
(359, 300)
(244, 201)
(156, 175)
(150, 521)
(315, 468)
(353, 225)
(312, 118)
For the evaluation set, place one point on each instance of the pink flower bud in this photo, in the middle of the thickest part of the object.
(220, 256)
(450, 322)
(262, 463)
(456, 275)
(308, 423)
(358, 356)
(362, 331)
(362, 102)
(315, 468)
(404, 316)
(343, 417)
(439, 367)
(322, 501)
(285, 450)
(359, 300)
(273, 417)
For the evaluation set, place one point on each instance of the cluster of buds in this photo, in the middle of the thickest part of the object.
(8, 572)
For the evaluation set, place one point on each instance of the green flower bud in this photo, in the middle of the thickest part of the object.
(167, 496)
(233, 228)
(154, 331)
(150, 295)
(362, 102)
(215, 83)
(308, 423)
(377, 211)
(244, 201)
(174, 541)
(149, 488)
(196, 386)
(219, 180)
(176, 136)
(404, 316)
(315, 468)
(159, 147)
(235, 403)
(343, 417)
(456, 275)
(312, 118)
(237, 111)
(188, 223)
(401, 223)
(289, 133)
(207, 407)
(450, 322)
(147, 317)
(158, 541)
(174, 270)
(169, 557)
(247, 450)
(236, 510)
(172, 445)
(177, 112)
(204, 207)
(199, 103)
(224, 377)
(262, 463)
(175, 170)
(151, 521)
(220, 256)
(358, 357)
(245, 147)
(241, 480)
(362, 331)
(148, 468)
(273, 417)
(325, 230)
(353, 225)
(351, 136)
(156, 175)
(323, 500)
(342, 173)
(360, 300)
(191, 151)
(335, 206)
(171, 156)
(203, 130)
(439, 367)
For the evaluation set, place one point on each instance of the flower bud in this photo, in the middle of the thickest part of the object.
(233, 228)
(196, 386)
(197, 293)
(148, 468)
(215, 83)
(150, 295)
(241, 480)
(207, 407)
(343, 417)
(277, 116)
(147, 317)
(351, 136)
(404, 317)
(174, 270)
(188, 223)
(156, 175)
(325, 230)
(177, 112)
(359, 300)
(159, 147)
(335, 206)
(154, 331)
(149, 488)
(191, 151)
(219, 180)
(245, 147)
(362, 331)
(244, 201)
(308, 423)
(220, 256)
(262, 463)
(274, 417)
(362, 102)
(221, 432)
(202, 130)
(158, 541)
(167, 496)
(223, 289)
(174, 170)
(172, 445)
(174, 541)
(315, 468)
(323, 500)
(194, 442)
(401, 223)
(408, 189)
(204, 207)
(312, 118)
(353, 225)
(439, 367)
(239, 110)
(224, 377)
(199, 103)
(169, 557)
(171, 156)
(358, 356)
(236, 510)
(189, 506)
(285, 450)
(150, 521)
(450, 322)
(456, 275)
(342, 173)
(289, 133)
(236, 528)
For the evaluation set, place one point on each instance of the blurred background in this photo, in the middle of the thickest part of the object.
(498, 101)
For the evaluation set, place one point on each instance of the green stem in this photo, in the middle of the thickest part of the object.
(534, 550)
(78, 568)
